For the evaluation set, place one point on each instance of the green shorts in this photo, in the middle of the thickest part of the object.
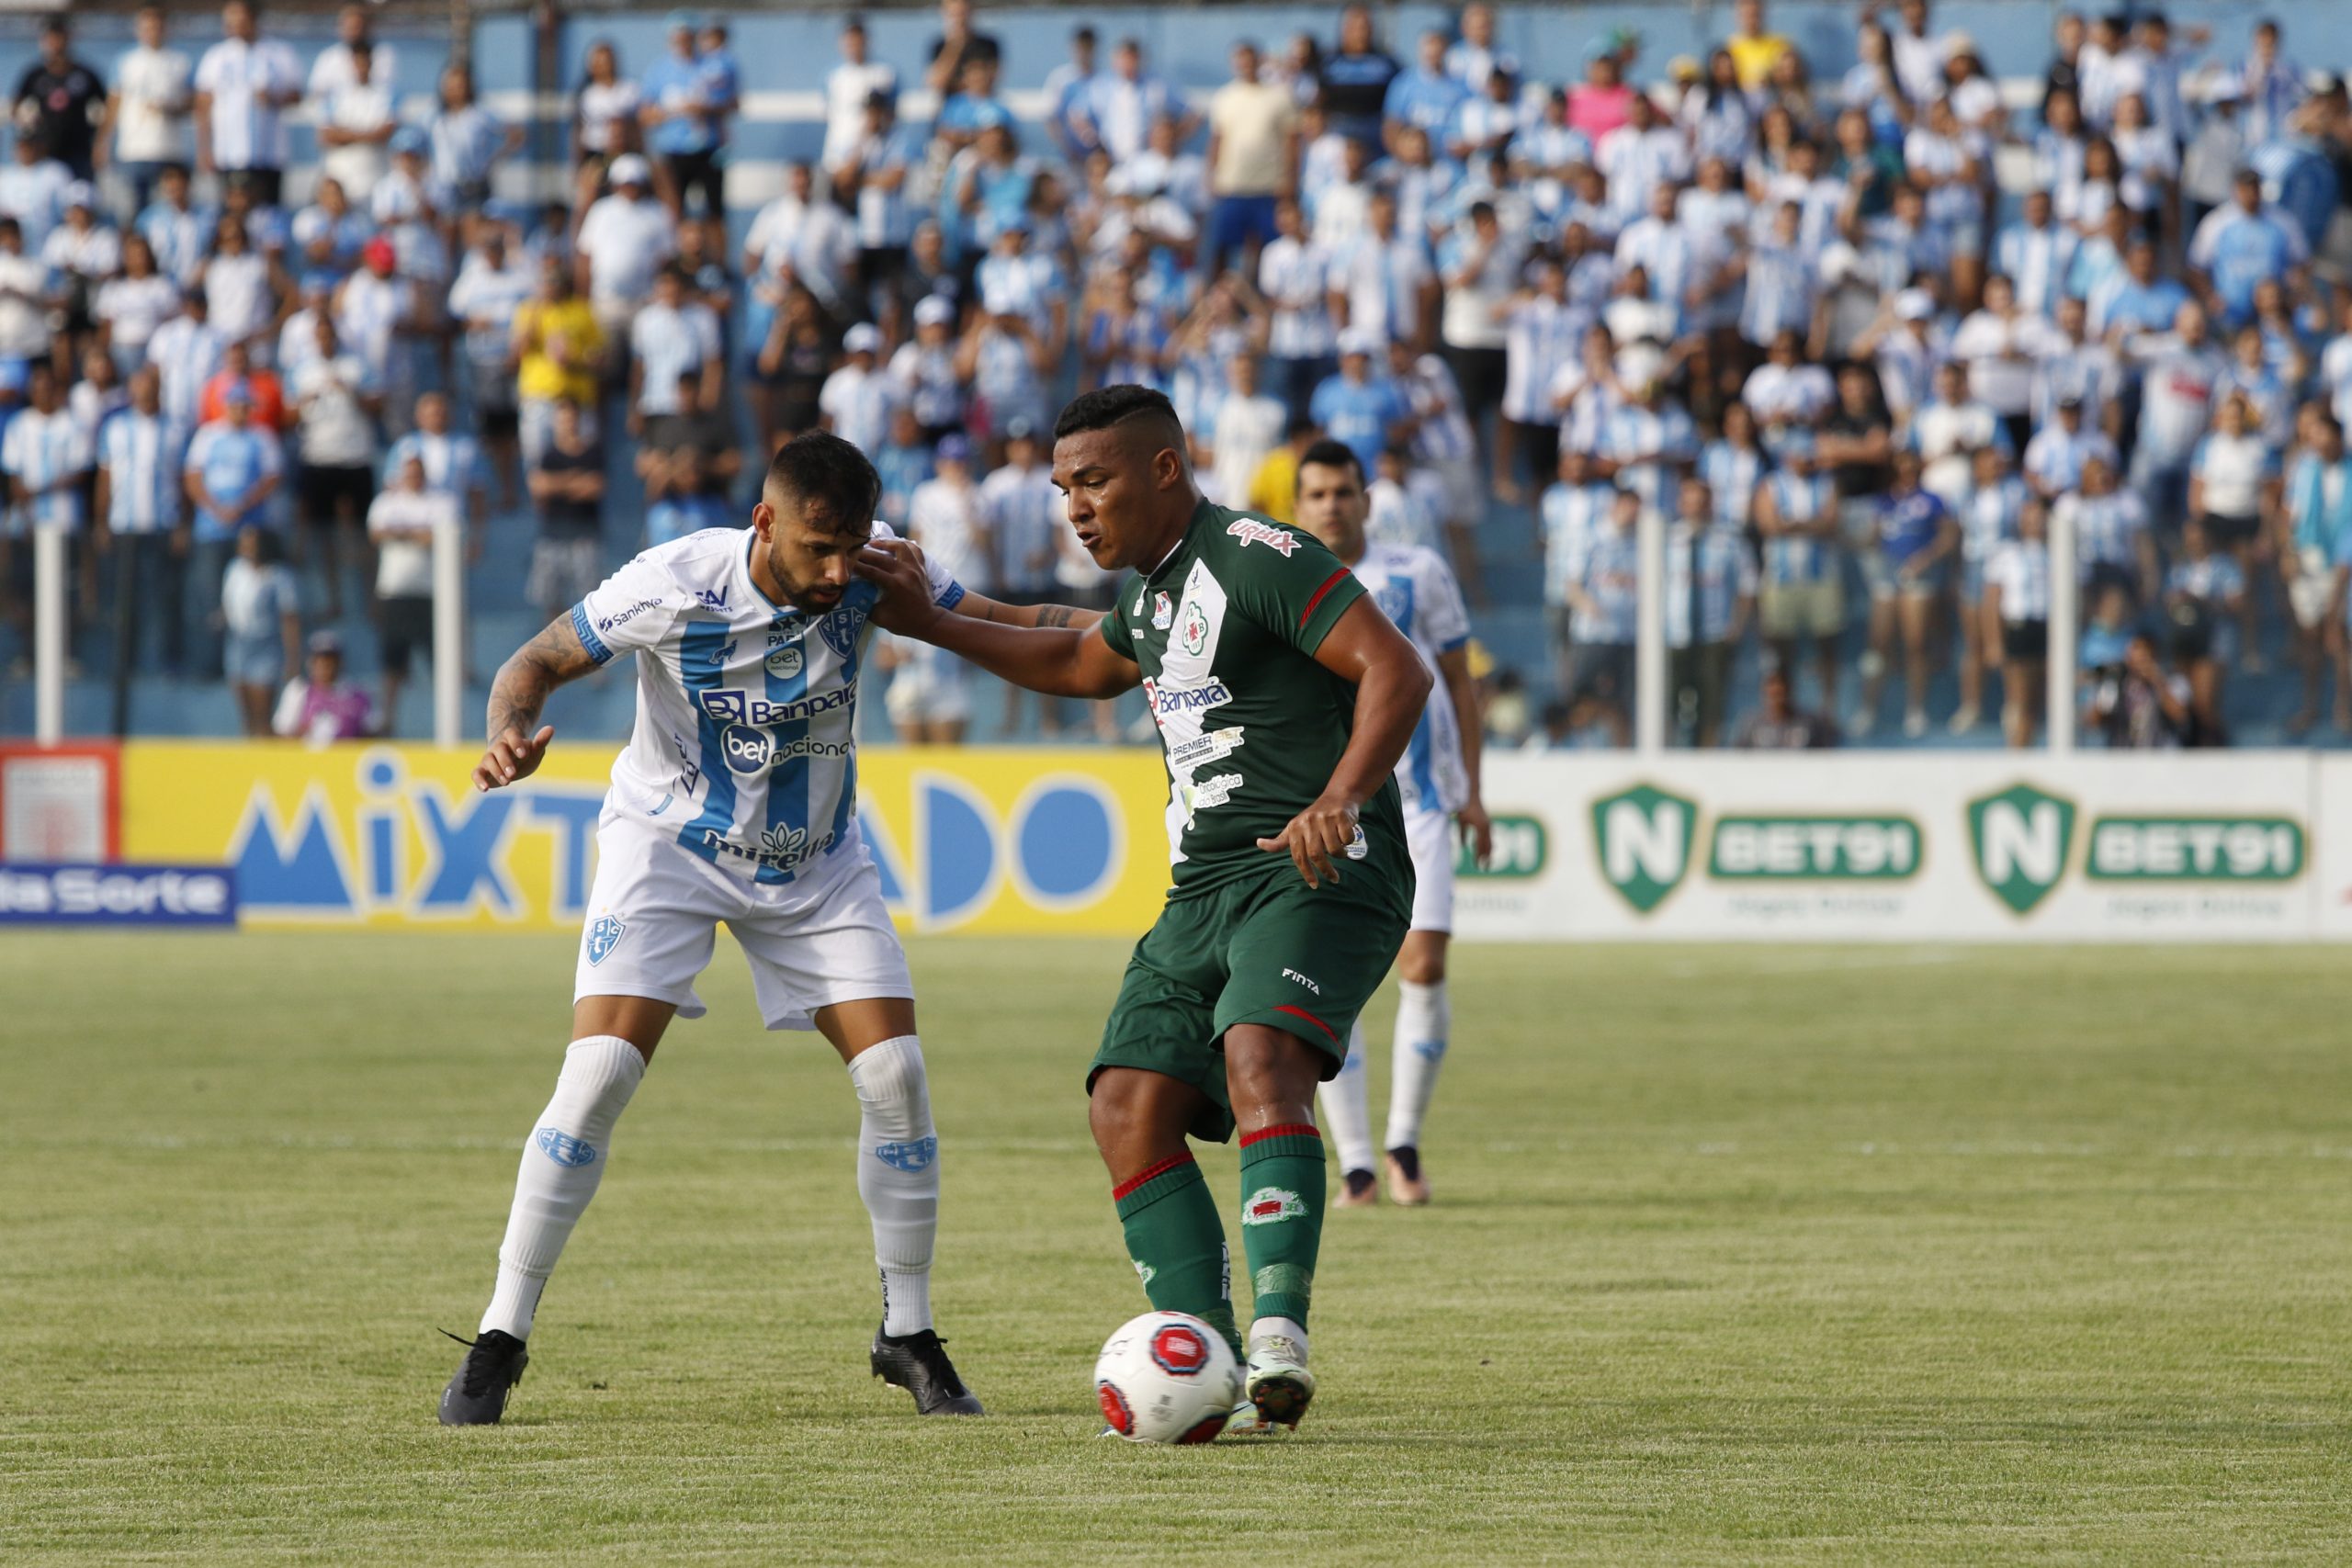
(1266, 949)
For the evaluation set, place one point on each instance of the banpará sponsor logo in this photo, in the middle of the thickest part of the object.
(2196, 849)
(1821, 848)
(1166, 700)
(731, 706)
(1521, 848)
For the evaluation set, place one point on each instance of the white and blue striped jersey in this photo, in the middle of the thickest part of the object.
(1415, 589)
(746, 709)
(40, 450)
(141, 454)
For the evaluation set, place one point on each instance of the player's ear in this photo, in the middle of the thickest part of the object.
(763, 519)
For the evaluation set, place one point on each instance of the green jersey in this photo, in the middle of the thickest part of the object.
(1225, 631)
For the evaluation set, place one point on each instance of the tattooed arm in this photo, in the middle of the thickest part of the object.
(1033, 616)
(538, 667)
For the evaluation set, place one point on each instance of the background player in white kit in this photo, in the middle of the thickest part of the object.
(1439, 777)
(735, 800)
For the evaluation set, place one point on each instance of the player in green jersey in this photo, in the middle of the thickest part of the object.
(1284, 698)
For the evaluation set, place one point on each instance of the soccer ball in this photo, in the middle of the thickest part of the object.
(1167, 1377)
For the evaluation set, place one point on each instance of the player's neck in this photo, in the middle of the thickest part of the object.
(1171, 534)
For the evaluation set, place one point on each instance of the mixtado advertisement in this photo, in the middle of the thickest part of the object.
(1858, 847)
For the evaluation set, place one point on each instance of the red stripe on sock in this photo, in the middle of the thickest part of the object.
(1302, 1012)
(1162, 1168)
(1288, 1129)
(1328, 584)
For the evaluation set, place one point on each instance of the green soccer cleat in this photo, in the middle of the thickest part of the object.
(1279, 1386)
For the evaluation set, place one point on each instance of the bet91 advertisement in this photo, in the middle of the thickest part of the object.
(1006, 843)
(1915, 846)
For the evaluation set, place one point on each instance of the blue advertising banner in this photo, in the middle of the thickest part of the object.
(86, 894)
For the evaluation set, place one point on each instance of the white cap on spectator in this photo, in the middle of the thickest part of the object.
(628, 169)
(1840, 261)
(1915, 305)
(1957, 43)
(1640, 365)
(863, 338)
(935, 311)
(1359, 340)
(77, 194)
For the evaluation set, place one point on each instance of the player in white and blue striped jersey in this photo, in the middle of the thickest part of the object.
(735, 800)
(1438, 776)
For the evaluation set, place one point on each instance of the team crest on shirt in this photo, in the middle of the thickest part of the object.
(1195, 634)
(840, 631)
(1163, 613)
(603, 937)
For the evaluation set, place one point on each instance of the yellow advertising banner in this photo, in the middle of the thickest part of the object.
(1004, 843)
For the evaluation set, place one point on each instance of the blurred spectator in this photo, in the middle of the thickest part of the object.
(357, 117)
(318, 705)
(148, 109)
(336, 405)
(687, 99)
(567, 485)
(557, 347)
(2317, 540)
(1710, 592)
(452, 462)
(1604, 599)
(234, 467)
(1777, 724)
(492, 286)
(141, 522)
(260, 385)
(48, 461)
(1916, 537)
(407, 523)
(858, 398)
(1801, 600)
(243, 86)
(604, 121)
(689, 462)
(673, 338)
(623, 241)
(261, 612)
(467, 141)
(1354, 78)
(851, 89)
(2139, 704)
(62, 102)
(128, 309)
(184, 350)
(1252, 150)
(2017, 622)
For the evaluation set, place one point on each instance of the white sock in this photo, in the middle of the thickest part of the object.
(562, 1162)
(898, 1175)
(1345, 1115)
(1278, 1328)
(1423, 1018)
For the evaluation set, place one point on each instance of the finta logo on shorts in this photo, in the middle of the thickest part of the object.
(1294, 975)
(1250, 531)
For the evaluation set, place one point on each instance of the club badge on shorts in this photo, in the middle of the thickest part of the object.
(603, 937)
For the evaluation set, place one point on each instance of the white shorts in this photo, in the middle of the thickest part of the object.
(1465, 493)
(1429, 836)
(821, 939)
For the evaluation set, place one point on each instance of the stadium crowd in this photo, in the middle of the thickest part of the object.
(1857, 374)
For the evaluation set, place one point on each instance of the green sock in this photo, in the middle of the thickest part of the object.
(1177, 1242)
(1281, 1216)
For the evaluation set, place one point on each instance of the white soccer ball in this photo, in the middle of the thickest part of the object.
(1167, 1377)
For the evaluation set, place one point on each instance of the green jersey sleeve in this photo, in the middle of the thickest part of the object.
(1287, 582)
(1114, 625)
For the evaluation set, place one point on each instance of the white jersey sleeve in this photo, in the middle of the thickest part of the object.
(634, 608)
(1446, 623)
(946, 592)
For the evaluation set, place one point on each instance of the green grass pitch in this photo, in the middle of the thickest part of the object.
(1755, 1255)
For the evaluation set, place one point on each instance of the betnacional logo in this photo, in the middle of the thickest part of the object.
(1642, 836)
(2019, 840)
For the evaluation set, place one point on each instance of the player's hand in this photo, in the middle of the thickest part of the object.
(1314, 836)
(895, 566)
(512, 758)
(1481, 828)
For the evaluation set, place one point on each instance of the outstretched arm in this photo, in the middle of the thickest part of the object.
(1065, 660)
(538, 667)
(1392, 684)
(981, 607)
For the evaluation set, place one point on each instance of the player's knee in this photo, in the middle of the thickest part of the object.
(1132, 1125)
(893, 1089)
(599, 1074)
(1422, 959)
(1270, 1076)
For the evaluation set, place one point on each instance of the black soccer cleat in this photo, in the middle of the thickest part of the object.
(477, 1394)
(918, 1362)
